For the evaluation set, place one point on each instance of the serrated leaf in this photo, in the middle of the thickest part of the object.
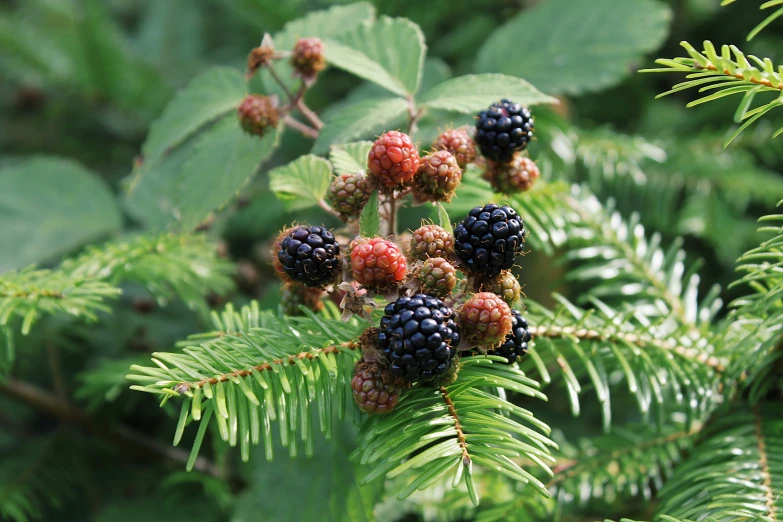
(224, 160)
(474, 92)
(302, 183)
(389, 52)
(573, 46)
(358, 121)
(207, 97)
(443, 218)
(370, 220)
(201, 176)
(49, 206)
(350, 157)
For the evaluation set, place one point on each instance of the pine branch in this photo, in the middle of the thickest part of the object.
(186, 266)
(753, 330)
(659, 360)
(437, 432)
(29, 294)
(708, 70)
(254, 369)
(734, 473)
(630, 462)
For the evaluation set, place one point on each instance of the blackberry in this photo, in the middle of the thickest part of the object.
(518, 175)
(257, 114)
(418, 337)
(431, 241)
(485, 320)
(310, 256)
(506, 286)
(515, 344)
(503, 129)
(489, 239)
(459, 143)
(348, 193)
(307, 57)
(437, 276)
(438, 177)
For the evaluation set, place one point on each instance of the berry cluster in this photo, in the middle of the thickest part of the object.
(433, 316)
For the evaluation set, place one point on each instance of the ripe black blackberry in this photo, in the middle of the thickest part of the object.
(515, 344)
(503, 129)
(418, 337)
(310, 256)
(489, 239)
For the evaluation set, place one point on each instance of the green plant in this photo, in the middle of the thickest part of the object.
(634, 392)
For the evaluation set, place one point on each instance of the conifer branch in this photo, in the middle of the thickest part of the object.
(769, 495)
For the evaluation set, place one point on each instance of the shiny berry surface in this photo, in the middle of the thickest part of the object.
(489, 239)
(503, 129)
(310, 256)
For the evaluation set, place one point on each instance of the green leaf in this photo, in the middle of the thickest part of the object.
(350, 157)
(389, 52)
(475, 92)
(207, 97)
(370, 220)
(224, 161)
(302, 183)
(49, 206)
(200, 177)
(573, 46)
(357, 121)
(443, 218)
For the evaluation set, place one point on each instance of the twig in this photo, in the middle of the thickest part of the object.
(279, 82)
(392, 222)
(291, 359)
(642, 341)
(301, 127)
(457, 426)
(413, 114)
(324, 205)
(134, 441)
(308, 113)
(769, 495)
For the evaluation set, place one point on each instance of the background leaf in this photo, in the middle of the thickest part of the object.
(350, 157)
(474, 92)
(358, 121)
(572, 46)
(302, 183)
(198, 178)
(213, 93)
(49, 206)
(389, 52)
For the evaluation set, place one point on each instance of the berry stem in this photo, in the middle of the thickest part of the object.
(301, 127)
(392, 224)
(279, 82)
(325, 206)
(308, 113)
(413, 115)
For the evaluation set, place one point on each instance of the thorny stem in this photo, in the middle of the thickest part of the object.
(769, 496)
(134, 441)
(556, 332)
(457, 426)
(291, 359)
(301, 127)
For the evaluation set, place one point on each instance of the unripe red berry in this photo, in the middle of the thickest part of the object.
(393, 160)
(438, 177)
(437, 277)
(459, 143)
(257, 114)
(370, 392)
(348, 193)
(431, 241)
(307, 56)
(511, 178)
(484, 319)
(378, 263)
